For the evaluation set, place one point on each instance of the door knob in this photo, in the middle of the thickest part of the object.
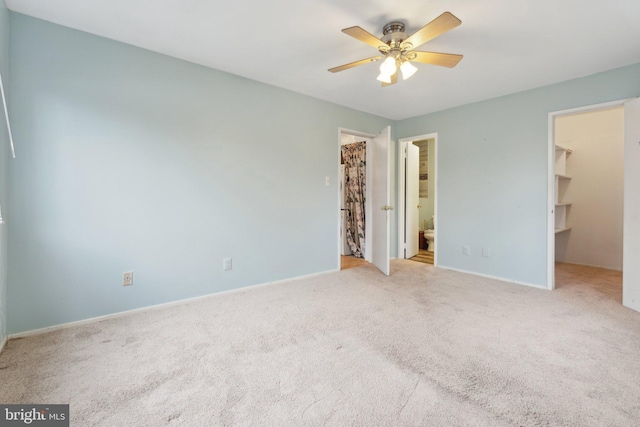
(419, 206)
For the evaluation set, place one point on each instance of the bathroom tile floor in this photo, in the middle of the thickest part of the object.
(423, 256)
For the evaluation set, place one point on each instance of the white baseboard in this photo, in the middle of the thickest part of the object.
(156, 306)
(502, 279)
(3, 343)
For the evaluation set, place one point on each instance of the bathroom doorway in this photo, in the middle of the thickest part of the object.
(417, 198)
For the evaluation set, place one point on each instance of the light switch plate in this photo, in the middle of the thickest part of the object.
(127, 278)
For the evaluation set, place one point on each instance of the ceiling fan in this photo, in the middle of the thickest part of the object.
(397, 49)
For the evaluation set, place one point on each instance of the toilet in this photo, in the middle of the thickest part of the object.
(430, 236)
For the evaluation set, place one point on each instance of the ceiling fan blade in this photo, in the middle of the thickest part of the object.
(355, 64)
(433, 29)
(364, 36)
(448, 60)
(394, 80)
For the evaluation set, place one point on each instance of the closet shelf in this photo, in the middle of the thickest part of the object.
(560, 148)
(562, 181)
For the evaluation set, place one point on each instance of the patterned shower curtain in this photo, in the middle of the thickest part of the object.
(353, 157)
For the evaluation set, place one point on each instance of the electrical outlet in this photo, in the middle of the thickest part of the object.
(466, 250)
(486, 252)
(226, 264)
(327, 181)
(127, 278)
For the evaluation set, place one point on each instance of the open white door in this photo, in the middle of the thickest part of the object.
(380, 184)
(412, 189)
(631, 243)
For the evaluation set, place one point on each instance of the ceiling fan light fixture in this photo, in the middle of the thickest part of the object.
(407, 69)
(388, 66)
(384, 78)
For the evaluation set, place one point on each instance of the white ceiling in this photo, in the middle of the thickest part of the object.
(508, 45)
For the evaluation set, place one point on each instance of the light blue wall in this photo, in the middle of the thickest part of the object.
(492, 173)
(4, 169)
(135, 161)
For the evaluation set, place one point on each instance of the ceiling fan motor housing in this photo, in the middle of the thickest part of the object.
(393, 27)
(394, 35)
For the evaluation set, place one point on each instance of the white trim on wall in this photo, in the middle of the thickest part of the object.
(157, 306)
(489, 276)
(551, 161)
(402, 143)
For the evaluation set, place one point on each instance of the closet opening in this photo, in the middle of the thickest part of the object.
(587, 198)
(355, 200)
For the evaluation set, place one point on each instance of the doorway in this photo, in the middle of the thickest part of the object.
(377, 216)
(590, 160)
(576, 219)
(347, 258)
(419, 190)
(589, 189)
(418, 198)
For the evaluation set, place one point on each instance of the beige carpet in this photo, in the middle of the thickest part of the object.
(422, 347)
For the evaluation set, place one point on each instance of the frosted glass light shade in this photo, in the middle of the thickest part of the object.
(407, 69)
(384, 78)
(388, 66)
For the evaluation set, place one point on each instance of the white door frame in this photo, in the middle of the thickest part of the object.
(412, 199)
(402, 143)
(367, 205)
(551, 177)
